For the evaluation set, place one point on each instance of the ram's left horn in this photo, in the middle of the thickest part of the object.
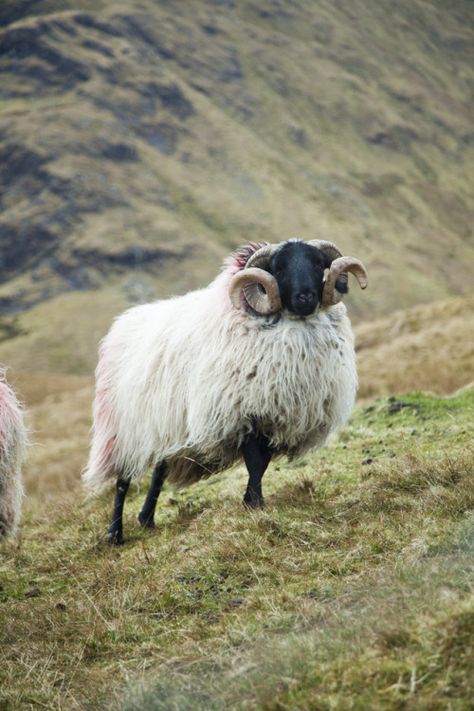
(260, 291)
(339, 266)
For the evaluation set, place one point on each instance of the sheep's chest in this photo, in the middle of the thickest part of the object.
(299, 380)
(296, 379)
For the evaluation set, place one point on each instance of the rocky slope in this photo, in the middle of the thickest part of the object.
(138, 145)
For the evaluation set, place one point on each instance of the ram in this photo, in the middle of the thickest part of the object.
(258, 364)
(13, 438)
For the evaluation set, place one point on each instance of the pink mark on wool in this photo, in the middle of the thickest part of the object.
(239, 259)
(233, 264)
(103, 410)
(106, 452)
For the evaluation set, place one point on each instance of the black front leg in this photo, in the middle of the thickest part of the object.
(147, 514)
(115, 536)
(257, 454)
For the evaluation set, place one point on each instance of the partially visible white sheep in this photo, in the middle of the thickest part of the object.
(13, 439)
(195, 382)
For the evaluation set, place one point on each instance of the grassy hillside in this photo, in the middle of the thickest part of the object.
(138, 145)
(353, 589)
(428, 347)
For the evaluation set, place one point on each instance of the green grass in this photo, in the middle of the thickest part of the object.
(352, 589)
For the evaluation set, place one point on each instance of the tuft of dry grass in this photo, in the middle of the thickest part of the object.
(425, 348)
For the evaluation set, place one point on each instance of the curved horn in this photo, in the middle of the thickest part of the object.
(260, 290)
(262, 256)
(340, 266)
(329, 248)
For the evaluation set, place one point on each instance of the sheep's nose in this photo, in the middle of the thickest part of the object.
(306, 297)
(305, 302)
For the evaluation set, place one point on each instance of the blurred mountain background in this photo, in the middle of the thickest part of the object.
(142, 141)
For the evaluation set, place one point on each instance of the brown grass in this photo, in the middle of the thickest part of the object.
(59, 419)
(426, 347)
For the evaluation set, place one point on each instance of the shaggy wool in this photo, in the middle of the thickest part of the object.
(13, 439)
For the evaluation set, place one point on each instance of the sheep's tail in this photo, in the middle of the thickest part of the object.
(98, 471)
(100, 467)
(13, 441)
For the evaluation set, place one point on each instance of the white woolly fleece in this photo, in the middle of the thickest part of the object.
(13, 439)
(183, 380)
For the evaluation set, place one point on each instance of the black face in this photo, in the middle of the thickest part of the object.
(299, 270)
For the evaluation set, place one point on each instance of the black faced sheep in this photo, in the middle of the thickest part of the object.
(259, 363)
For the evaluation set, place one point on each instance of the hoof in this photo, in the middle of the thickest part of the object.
(255, 502)
(115, 538)
(146, 522)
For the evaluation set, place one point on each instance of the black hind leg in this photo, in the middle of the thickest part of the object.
(147, 514)
(115, 536)
(257, 454)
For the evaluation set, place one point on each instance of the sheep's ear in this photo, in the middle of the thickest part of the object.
(238, 259)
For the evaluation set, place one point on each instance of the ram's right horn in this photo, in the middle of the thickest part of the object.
(342, 265)
(260, 290)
